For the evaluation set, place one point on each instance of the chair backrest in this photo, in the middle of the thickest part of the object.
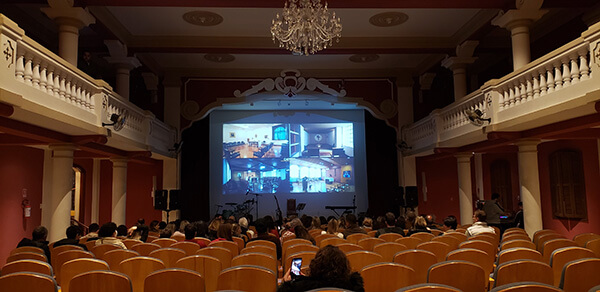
(190, 248)
(114, 257)
(562, 256)
(514, 230)
(554, 244)
(99, 250)
(247, 278)
(458, 235)
(487, 237)
(56, 250)
(372, 233)
(75, 267)
(261, 242)
(440, 249)
(517, 243)
(169, 256)
(463, 275)
(355, 237)
(230, 245)
(26, 256)
(490, 249)
(137, 268)
(101, 281)
(580, 275)
(523, 270)
(409, 242)
(207, 266)
(180, 280)
(222, 254)
(145, 248)
(526, 287)
(516, 236)
(387, 276)
(260, 249)
(178, 237)
(388, 250)
(294, 241)
(594, 245)
(66, 256)
(332, 241)
(428, 287)
(320, 237)
(240, 243)
(540, 233)
(298, 248)
(28, 281)
(369, 242)
(474, 256)
(519, 253)
(256, 259)
(583, 238)
(27, 265)
(314, 232)
(452, 241)
(539, 245)
(306, 257)
(390, 237)
(131, 242)
(361, 259)
(418, 260)
(203, 239)
(349, 247)
(423, 236)
(33, 249)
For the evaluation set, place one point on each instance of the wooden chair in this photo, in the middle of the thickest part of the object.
(298, 248)
(99, 250)
(66, 256)
(75, 267)
(554, 244)
(190, 248)
(178, 237)
(261, 242)
(409, 242)
(361, 259)
(306, 257)
(562, 256)
(355, 237)
(144, 249)
(523, 270)
(247, 278)
(138, 268)
(580, 275)
(388, 250)
(320, 237)
(180, 280)
(27, 249)
(260, 249)
(114, 257)
(595, 289)
(474, 256)
(371, 233)
(487, 237)
(440, 249)
(519, 253)
(314, 232)
(539, 245)
(230, 245)
(428, 287)
(222, 254)
(205, 240)
(390, 237)
(56, 250)
(207, 266)
(517, 243)
(458, 235)
(540, 233)
(418, 260)
(163, 242)
(387, 277)
(256, 259)
(26, 282)
(583, 238)
(436, 232)
(294, 241)
(131, 242)
(526, 287)
(240, 243)
(490, 249)
(33, 266)
(90, 244)
(169, 256)
(452, 241)
(332, 241)
(349, 247)
(594, 245)
(463, 275)
(369, 242)
(516, 236)
(101, 281)
(26, 256)
(423, 236)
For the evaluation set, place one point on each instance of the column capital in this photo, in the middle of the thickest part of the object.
(525, 15)
(63, 13)
(528, 145)
(62, 147)
(119, 162)
(453, 63)
(463, 157)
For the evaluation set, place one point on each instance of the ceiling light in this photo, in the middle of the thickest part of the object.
(306, 27)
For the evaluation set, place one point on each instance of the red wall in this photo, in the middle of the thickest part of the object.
(20, 168)
(570, 228)
(512, 158)
(441, 177)
(139, 192)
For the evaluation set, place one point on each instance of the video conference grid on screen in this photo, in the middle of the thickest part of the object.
(288, 158)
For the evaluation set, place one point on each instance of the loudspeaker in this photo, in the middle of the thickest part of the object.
(412, 196)
(174, 199)
(399, 198)
(160, 199)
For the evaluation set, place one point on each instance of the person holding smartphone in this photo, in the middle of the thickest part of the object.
(329, 268)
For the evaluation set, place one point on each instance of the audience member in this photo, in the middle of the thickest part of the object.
(122, 231)
(480, 226)
(38, 239)
(410, 219)
(390, 221)
(450, 223)
(332, 228)
(493, 211)
(224, 233)
(289, 228)
(154, 227)
(213, 226)
(316, 223)
(302, 233)
(352, 226)
(190, 235)
(181, 230)
(420, 226)
(519, 222)
(368, 222)
(263, 234)
(329, 268)
(271, 225)
(139, 231)
(430, 220)
(108, 234)
(73, 235)
(87, 65)
(379, 223)
(92, 232)
(201, 229)
(162, 225)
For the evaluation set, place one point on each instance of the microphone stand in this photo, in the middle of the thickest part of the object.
(354, 204)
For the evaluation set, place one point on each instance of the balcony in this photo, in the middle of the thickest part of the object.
(560, 86)
(46, 91)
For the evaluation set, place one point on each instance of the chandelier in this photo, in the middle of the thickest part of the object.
(306, 27)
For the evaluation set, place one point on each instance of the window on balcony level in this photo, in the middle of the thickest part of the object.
(567, 184)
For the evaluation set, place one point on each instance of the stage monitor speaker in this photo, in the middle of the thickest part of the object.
(174, 200)
(160, 199)
(412, 196)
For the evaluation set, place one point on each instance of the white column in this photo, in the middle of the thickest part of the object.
(122, 80)
(458, 65)
(529, 181)
(60, 195)
(119, 190)
(465, 194)
(95, 191)
(478, 161)
(123, 65)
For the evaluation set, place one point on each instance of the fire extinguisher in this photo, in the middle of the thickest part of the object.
(26, 208)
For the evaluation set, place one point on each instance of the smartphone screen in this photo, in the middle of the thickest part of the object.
(296, 266)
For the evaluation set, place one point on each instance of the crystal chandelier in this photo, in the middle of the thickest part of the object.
(306, 27)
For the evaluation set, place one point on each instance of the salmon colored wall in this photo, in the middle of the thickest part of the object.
(570, 228)
(441, 177)
(85, 206)
(139, 192)
(512, 158)
(105, 198)
(20, 168)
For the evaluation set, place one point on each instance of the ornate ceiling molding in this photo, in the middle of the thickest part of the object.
(290, 83)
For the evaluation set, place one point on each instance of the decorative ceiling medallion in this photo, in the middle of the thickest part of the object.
(219, 58)
(363, 58)
(387, 19)
(203, 18)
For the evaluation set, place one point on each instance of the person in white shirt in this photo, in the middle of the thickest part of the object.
(479, 226)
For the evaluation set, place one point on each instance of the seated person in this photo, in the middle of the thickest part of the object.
(420, 226)
(332, 228)
(263, 234)
(190, 235)
(390, 221)
(92, 232)
(480, 226)
(38, 239)
(352, 226)
(450, 223)
(329, 268)
(73, 234)
(108, 234)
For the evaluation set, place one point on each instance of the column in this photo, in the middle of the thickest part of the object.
(465, 194)
(123, 65)
(70, 20)
(59, 205)
(172, 104)
(119, 189)
(518, 22)
(529, 183)
(458, 65)
(95, 190)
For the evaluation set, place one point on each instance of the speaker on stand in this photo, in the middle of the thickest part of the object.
(160, 200)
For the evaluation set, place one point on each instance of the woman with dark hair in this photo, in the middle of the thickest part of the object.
(420, 226)
(329, 268)
(225, 232)
(301, 232)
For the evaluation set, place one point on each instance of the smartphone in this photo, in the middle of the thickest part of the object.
(296, 266)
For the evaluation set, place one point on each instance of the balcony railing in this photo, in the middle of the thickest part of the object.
(47, 85)
(552, 88)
